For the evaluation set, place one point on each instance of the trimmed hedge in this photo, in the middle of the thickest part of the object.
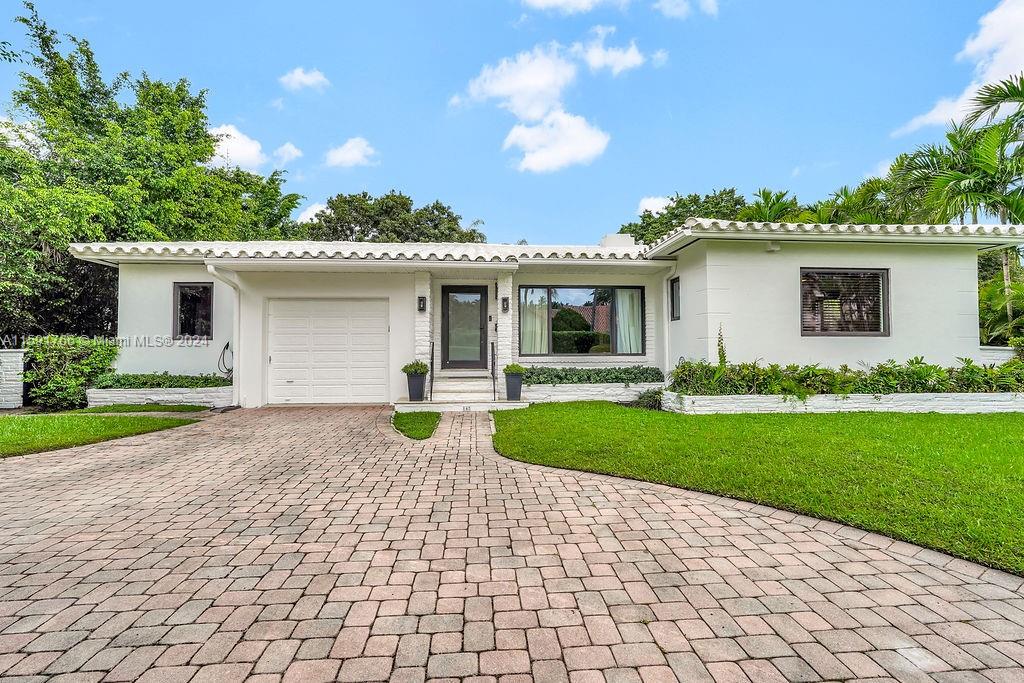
(700, 378)
(159, 380)
(636, 374)
(60, 367)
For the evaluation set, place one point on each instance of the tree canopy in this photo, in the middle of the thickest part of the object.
(91, 159)
(388, 218)
(721, 204)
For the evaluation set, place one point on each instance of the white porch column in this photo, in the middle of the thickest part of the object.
(504, 328)
(423, 318)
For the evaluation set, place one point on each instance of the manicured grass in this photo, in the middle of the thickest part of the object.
(144, 408)
(950, 482)
(416, 425)
(21, 434)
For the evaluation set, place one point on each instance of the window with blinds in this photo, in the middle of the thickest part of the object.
(844, 303)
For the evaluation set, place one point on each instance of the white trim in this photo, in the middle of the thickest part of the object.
(985, 236)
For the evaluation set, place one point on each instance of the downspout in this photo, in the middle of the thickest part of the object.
(236, 327)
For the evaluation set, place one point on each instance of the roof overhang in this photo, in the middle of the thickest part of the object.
(981, 237)
(284, 255)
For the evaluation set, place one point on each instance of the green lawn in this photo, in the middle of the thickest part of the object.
(21, 434)
(144, 408)
(416, 425)
(950, 482)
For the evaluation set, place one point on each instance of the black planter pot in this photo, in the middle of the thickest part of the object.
(514, 387)
(416, 385)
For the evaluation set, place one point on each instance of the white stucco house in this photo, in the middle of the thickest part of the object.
(334, 322)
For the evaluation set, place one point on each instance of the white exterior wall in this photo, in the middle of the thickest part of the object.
(145, 315)
(754, 294)
(688, 336)
(398, 289)
(654, 316)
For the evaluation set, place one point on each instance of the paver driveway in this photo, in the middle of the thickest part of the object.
(316, 544)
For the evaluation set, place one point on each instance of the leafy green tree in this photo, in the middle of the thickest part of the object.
(391, 217)
(770, 207)
(98, 160)
(722, 205)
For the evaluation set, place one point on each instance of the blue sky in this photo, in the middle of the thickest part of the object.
(551, 120)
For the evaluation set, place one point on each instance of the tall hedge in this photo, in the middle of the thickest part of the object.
(59, 368)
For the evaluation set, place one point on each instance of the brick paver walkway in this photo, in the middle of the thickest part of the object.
(315, 544)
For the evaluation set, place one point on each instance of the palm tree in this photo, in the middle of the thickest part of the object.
(770, 207)
(995, 97)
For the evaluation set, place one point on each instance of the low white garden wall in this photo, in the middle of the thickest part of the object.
(12, 363)
(831, 403)
(214, 397)
(996, 355)
(553, 393)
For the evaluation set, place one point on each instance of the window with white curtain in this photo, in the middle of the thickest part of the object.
(581, 320)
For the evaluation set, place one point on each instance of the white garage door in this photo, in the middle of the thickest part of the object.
(327, 351)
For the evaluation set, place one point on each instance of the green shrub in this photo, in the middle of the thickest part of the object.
(636, 374)
(701, 378)
(573, 341)
(1018, 346)
(649, 400)
(514, 369)
(417, 367)
(61, 367)
(159, 380)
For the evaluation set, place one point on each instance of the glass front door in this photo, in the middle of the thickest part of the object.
(464, 327)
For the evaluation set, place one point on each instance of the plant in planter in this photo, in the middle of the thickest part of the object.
(416, 374)
(514, 381)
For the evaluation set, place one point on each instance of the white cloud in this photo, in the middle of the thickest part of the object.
(680, 9)
(674, 9)
(235, 148)
(277, 103)
(880, 170)
(615, 59)
(298, 78)
(559, 140)
(659, 58)
(813, 166)
(709, 7)
(286, 153)
(997, 51)
(529, 85)
(571, 6)
(310, 212)
(653, 204)
(354, 152)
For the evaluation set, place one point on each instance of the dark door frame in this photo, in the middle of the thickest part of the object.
(464, 289)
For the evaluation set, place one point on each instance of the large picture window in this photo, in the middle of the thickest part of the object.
(193, 310)
(844, 303)
(581, 320)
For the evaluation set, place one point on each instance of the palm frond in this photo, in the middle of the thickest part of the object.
(991, 98)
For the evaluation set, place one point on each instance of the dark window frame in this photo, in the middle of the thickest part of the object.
(675, 304)
(885, 319)
(176, 311)
(613, 319)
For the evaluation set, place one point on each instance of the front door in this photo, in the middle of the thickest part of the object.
(463, 326)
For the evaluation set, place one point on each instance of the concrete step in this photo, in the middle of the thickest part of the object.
(456, 406)
(462, 395)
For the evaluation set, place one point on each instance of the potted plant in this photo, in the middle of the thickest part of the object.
(514, 381)
(416, 374)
